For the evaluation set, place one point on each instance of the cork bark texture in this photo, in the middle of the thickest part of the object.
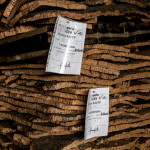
(46, 111)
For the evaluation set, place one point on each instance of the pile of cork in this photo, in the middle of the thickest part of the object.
(42, 111)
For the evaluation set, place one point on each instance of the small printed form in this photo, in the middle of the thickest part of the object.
(66, 50)
(97, 113)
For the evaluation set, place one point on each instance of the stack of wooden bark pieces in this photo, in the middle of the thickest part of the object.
(46, 111)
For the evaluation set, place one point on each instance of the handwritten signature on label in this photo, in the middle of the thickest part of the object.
(93, 129)
(67, 65)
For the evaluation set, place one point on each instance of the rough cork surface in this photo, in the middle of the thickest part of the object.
(46, 111)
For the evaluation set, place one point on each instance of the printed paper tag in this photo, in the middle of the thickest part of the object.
(97, 113)
(66, 50)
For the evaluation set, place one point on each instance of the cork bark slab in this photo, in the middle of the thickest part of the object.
(96, 2)
(16, 30)
(20, 33)
(115, 10)
(11, 9)
(139, 3)
(39, 110)
(2, 2)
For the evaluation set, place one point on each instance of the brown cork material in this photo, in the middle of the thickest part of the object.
(17, 30)
(42, 110)
(2, 1)
(139, 3)
(24, 32)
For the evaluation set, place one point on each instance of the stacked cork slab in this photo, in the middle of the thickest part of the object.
(42, 111)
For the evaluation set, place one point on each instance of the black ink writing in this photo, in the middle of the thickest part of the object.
(70, 28)
(94, 129)
(63, 45)
(103, 114)
(79, 32)
(95, 95)
(98, 97)
(68, 32)
(67, 36)
(60, 66)
(67, 65)
(103, 97)
(98, 111)
(78, 50)
(91, 112)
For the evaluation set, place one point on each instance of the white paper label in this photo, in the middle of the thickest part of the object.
(66, 50)
(97, 113)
